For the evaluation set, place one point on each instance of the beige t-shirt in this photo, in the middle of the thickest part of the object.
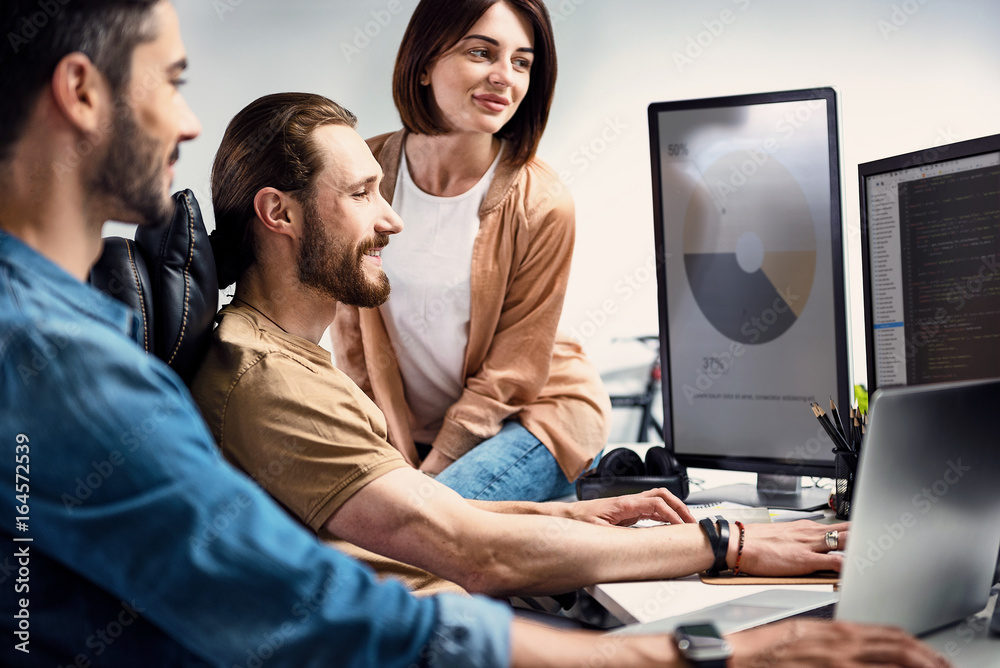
(281, 412)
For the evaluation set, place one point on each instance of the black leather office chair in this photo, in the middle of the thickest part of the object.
(167, 274)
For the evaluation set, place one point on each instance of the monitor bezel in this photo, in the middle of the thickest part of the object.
(765, 465)
(963, 149)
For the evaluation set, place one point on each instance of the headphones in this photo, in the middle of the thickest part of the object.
(622, 471)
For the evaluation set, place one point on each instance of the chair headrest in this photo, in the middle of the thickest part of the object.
(167, 274)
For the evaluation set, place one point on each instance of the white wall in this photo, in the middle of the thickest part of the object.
(910, 73)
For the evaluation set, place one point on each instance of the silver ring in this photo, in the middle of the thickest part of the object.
(832, 539)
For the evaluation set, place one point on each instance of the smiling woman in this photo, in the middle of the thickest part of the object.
(480, 388)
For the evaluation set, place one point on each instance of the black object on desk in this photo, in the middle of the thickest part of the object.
(846, 466)
(621, 471)
(847, 442)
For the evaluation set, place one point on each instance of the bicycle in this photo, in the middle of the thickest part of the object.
(644, 400)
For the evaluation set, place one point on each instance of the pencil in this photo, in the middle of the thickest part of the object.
(836, 418)
(838, 440)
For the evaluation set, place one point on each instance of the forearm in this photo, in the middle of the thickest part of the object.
(407, 516)
(551, 508)
(541, 646)
(527, 554)
(537, 554)
(784, 644)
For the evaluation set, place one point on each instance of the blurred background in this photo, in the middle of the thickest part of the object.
(910, 75)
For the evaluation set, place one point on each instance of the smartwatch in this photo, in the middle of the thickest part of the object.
(702, 646)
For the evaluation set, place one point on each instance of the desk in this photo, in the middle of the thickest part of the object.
(641, 602)
(966, 644)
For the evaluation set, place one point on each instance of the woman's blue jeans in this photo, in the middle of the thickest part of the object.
(511, 466)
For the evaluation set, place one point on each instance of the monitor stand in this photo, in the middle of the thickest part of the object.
(772, 491)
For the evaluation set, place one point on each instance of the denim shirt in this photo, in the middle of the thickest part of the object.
(129, 541)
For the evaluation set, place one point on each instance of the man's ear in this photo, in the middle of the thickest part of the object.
(82, 93)
(277, 211)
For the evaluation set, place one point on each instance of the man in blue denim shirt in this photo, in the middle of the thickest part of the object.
(119, 475)
(129, 542)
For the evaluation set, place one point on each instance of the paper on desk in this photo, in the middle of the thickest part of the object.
(732, 512)
(792, 515)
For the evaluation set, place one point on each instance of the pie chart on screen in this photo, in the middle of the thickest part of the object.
(749, 247)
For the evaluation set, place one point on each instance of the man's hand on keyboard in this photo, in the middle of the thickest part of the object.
(789, 548)
(841, 644)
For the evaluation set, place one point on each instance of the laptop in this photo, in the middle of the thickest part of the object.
(925, 521)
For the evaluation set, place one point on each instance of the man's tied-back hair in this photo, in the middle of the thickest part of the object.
(268, 144)
(36, 34)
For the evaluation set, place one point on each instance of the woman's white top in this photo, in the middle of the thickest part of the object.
(429, 265)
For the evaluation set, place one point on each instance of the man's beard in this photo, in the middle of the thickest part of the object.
(336, 269)
(131, 171)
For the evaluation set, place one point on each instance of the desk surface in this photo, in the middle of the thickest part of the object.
(966, 644)
(641, 602)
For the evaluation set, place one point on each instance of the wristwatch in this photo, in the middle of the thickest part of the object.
(702, 646)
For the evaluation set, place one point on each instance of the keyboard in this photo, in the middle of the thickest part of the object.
(822, 612)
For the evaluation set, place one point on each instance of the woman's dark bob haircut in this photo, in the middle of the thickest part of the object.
(435, 27)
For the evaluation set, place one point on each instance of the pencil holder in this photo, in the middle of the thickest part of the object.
(845, 468)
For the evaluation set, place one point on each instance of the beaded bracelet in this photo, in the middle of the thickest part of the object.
(739, 550)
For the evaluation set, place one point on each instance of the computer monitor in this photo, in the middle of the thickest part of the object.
(930, 228)
(747, 226)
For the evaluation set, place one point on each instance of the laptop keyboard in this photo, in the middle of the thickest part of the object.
(822, 612)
